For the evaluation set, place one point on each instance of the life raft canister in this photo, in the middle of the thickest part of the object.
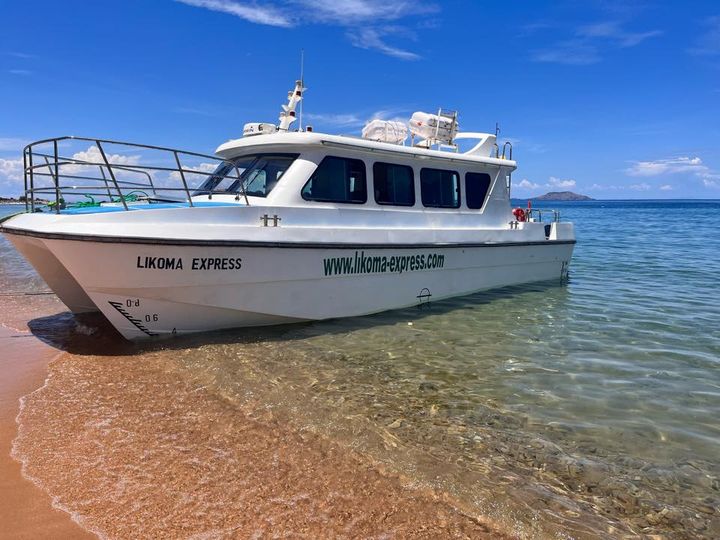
(519, 214)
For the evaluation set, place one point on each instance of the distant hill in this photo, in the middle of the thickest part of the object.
(562, 196)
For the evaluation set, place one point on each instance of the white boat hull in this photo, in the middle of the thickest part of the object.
(54, 273)
(151, 289)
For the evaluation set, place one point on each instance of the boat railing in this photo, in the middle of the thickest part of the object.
(536, 214)
(81, 171)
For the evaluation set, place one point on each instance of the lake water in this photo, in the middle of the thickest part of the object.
(582, 409)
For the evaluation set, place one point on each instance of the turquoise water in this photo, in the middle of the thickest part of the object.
(589, 408)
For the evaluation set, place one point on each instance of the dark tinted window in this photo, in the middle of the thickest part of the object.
(256, 174)
(439, 188)
(337, 180)
(394, 184)
(476, 188)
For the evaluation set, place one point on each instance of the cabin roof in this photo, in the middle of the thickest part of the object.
(281, 141)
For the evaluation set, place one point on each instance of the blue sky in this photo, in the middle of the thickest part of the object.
(611, 99)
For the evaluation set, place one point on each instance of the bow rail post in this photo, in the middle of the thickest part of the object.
(25, 177)
(182, 176)
(55, 178)
(112, 174)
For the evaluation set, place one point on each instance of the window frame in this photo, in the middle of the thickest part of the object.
(240, 178)
(328, 156)
(459, 189)
(487, 191)
(412, 183)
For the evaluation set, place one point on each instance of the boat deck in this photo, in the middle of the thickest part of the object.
(117, 207)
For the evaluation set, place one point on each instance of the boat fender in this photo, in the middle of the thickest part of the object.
(519, 214)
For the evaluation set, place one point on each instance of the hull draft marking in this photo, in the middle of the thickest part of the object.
(136, 322)
(424, 297)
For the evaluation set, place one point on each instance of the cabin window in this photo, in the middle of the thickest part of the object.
(476, 188)
(256, 174)
(394, 184)
(336, 179)
(440, 188)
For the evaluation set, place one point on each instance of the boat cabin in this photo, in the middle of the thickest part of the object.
(313, 169)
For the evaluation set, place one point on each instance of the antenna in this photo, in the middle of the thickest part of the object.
(302, 84)
(497, 129)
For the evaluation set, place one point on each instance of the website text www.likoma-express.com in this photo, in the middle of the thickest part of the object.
(372, 264)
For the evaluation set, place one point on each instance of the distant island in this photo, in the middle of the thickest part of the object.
(562, 196)
(19, 200)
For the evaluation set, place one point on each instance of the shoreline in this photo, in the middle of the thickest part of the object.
(47, 485)
(26, 511)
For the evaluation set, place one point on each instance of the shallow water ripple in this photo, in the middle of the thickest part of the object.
(586, 410)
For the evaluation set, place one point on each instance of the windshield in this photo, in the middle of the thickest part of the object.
(256, 175)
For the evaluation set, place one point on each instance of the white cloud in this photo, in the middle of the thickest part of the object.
(11, 169)
(20, 72)
(666, 166)
(572, 52)
(267, 15)
(361, 18)
(90, 159)
(553, 182)
(690, 165)
(587, 43)
(350, 11)
(397, 115)
(612, 30)
(93, 155)
(357, 119)
(11, 176)
(201, 168)
(20, 55)
(558, 182)
(710, 179)
(607, 187)
(374, 38)
(666, 187)
(640, 187)
(526, 184)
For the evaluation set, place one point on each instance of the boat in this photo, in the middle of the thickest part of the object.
(280, 225)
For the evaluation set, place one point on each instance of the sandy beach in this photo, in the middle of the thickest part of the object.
(25, 511)
(228, 473)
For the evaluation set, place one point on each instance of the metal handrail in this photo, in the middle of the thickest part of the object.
(507, 143)
(123, 143)
(74, 161)
(110, 184)
(539, 211)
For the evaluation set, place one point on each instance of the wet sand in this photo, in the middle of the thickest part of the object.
(203, 467)
(25, 510)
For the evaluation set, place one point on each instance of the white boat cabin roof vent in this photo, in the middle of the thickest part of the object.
(389, 131)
